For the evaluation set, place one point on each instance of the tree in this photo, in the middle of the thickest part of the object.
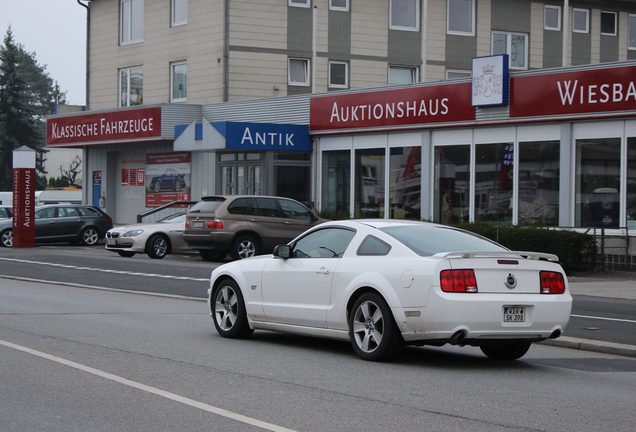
(27, 95)
(71, 174)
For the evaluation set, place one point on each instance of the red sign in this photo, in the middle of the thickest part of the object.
(598, 90)
(24, 183)
(416, 105)
(111, 126)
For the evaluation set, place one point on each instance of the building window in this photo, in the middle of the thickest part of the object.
(299, 3)
(493, 182)
(369, 183)
(178, 82)
(336, 169)
(552, 17)
(632, 32)
(598, 182)
(451, 184)
(131, 86)
(608, 23)
(457, 74)
(131, 21)
(341, 5)
(405, 187)
(338, 74)
(539, 183)
(298, 72)
(179, 12)
(580, 20)
(513, 44)
(402, 75)
(404, 15)
(461, 17)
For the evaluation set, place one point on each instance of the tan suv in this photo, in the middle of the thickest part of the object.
(244, 225)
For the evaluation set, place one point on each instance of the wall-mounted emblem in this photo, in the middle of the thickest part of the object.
(490, 80)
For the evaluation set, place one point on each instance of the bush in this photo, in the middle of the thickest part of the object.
(576, 251)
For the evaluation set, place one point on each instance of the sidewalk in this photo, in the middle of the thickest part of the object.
(620, 285)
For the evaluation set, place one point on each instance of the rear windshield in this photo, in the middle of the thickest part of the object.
(430, 240)
(206, 206)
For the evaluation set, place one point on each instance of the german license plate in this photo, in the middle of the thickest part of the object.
(111, 242)
(514, 314)
(197, 224)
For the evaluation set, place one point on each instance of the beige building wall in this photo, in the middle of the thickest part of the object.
(256, 75)
(623, 34)
(369, 37)
(368, 73)
(436, 36)
(595, 31)
(199, 43)
(484, 26)
(536, 36)
(261, 24)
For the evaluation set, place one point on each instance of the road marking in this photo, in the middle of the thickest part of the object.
(154, 275)
(604, 318)
(149, 389)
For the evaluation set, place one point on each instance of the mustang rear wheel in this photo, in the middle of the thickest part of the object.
(506, 350)
(372, 329)
(228, 310)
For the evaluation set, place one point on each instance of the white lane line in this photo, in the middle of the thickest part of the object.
(154, 275)
(149, 389)
(604, 318)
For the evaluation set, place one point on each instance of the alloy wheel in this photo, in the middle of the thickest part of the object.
(226, 308)
(368, 326)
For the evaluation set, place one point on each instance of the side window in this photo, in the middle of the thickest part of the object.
(240, 206)
(67, 212)
(294, 210)
(87, 211)
(324, 243)
(268, 207)
(373, 246)
(45, 213)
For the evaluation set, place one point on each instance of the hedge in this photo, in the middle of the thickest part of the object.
(576, 251)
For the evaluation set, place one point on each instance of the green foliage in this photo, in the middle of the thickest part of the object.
(576, 251)
(27, 94)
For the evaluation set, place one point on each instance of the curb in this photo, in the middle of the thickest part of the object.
(592, 345)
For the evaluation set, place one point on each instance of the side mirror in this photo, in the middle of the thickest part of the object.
(282, 251)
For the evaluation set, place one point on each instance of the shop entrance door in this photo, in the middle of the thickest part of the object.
(293, 182)
(241, 179)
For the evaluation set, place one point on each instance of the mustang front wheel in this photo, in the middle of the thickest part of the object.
(228, 310)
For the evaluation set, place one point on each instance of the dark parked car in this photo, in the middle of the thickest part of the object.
(244, 225)
(72, 223)
(171, 181)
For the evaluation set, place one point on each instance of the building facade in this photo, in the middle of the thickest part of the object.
(201, 69)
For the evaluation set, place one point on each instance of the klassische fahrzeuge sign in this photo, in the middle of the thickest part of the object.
(104, 127)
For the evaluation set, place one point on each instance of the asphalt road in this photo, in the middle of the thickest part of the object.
(76, 359)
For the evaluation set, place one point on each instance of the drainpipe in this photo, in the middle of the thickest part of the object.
(88, 35)
(314, 54)
(226, 50)
(566, 32)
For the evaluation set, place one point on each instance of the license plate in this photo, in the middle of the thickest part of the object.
(514, 314)
(197, 224)
(111, 242)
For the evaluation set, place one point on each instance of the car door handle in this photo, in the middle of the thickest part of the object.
(323, 270)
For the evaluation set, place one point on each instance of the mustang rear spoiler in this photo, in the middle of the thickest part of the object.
(499, 254)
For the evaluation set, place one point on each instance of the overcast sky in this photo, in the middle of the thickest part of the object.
(56, 31)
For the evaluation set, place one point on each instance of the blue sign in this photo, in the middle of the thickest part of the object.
(265, 136)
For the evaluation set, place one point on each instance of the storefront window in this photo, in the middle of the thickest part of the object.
(405, 188)
(293, 182)
(493, 182)
(240, 177)
(631, 183)
(598, 182)
(539, 183)
(336, 166)
(369, 183)
(452, 184)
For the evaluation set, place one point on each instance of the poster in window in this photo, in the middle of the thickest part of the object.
(167, 178)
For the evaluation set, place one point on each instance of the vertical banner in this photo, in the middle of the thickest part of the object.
(97, 187)
(24, 184)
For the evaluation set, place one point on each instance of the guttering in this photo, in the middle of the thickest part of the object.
(88, 22)
(226, 50)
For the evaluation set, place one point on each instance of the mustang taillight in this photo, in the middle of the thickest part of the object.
(552, 283)
(215, 224)
(458, 281)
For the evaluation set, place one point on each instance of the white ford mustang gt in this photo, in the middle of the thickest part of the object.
(384, 283)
